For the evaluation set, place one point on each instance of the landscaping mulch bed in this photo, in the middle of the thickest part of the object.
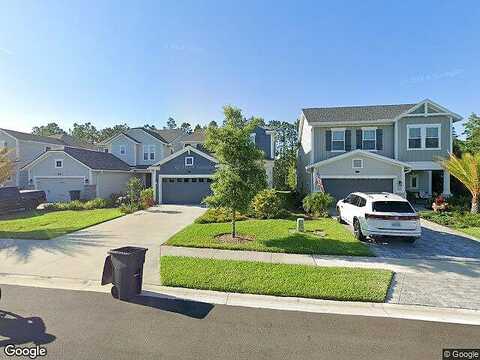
(239, 239)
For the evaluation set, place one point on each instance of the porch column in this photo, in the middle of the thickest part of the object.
(429, 175)
(446, 183)
(154, 185)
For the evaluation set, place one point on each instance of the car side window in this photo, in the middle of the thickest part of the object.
(354, 200)
(348, 199)
(361, 201)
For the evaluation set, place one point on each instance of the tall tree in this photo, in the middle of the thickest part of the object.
(241, 173)
(467, 170)
(6, 164)
(150, 127)
(212, 123)
(85, 132)
(171, 124)
(197, 127)
(259, 120)
(112, 131)
(472, 132)
(47, 130)
(284, 168)
(186, 128)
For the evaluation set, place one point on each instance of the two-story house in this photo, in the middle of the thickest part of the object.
(26, 147)
(392, 148)
(185, 176)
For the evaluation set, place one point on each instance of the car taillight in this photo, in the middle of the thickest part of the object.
(391, 217)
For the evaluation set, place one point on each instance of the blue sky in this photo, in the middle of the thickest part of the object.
(141, 62)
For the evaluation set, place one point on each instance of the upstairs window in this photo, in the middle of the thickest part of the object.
(123, 150)
(338, 140)
(432, 138)
(415, 138)
(189, 161)
(148, 152)
(369, 139)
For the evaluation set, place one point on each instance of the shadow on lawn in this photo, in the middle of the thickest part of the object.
(21, 215)
(309, 244)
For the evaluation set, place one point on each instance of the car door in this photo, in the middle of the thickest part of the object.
(348, 208)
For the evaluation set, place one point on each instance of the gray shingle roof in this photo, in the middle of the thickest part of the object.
(69, 140)
(355, 113)
(198, 135)
(97, 160)
(30, 137)
(169, 135)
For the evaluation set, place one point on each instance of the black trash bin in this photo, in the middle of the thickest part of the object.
(124, 269)
(74, 195)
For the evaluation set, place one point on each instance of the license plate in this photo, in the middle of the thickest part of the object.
(396, 224)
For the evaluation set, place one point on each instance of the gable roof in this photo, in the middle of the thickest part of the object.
(111, 138)
(95, 160)
(30, 137)
(356, 153)
(183, 151)
(169, 135)
(355, 113)
(71, 141)
(198, 135)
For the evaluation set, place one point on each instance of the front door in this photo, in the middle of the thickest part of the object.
(148, 180)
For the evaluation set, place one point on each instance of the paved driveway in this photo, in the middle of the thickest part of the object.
(80, 255)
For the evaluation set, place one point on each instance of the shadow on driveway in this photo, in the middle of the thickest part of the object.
(19, 330)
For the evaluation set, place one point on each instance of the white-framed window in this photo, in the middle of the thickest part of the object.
(188, 160)
(338, 139)
(123, 150)
(424, 136)
(369, 138)
(148, 152)
(105, 150)
(414, 182)
(357, 163)
(58, 163)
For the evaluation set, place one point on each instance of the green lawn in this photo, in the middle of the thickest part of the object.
(474, 231)
(47, 225)
(334, 283)
(276, 236)
(465, 222)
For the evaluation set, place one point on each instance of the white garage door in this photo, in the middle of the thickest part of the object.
(57, 189)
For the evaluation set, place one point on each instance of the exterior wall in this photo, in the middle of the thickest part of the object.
(371, 167)
(422, 181)
(320, 147)
(424, 154)
(110, 182)
(130, 147)
(46, 167)
(176, 166)
(263, 141)
(304, 157)
(147, 139)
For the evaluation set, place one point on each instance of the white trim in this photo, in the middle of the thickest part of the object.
(183, 176)
(11, 136)
(55, 163)
(180, 152)
(187, 162)
(338, 130)
(352, 123)
(374, 139)
(45, 154)
(423, 136)
(358, 152)
(163, 176)
(272, 144)
(357, 167)
(429, 172)
(312, 144)
(424, 165)
(451, 135)
(358, 177)
(108, 141)
(395, 140)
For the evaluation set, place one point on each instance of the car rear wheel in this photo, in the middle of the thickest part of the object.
(358, 230)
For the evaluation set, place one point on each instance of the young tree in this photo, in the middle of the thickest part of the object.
(472, 132)
(467, 170)
(85, 132)
(171, 124)
(47, 130)
(6, 164)
(186, 128)
(241, 173)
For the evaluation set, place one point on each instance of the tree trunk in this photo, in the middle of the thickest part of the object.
(474, 209)
(234, 230)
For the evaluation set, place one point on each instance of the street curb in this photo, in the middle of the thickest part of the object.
(383, 310)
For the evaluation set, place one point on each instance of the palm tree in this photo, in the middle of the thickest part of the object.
(6, 165)
(467, 170)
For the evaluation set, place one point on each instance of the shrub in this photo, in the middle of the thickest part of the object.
(134, 189)
(75, 205)
(97, 203)
(266, 204)
(455, 218)
(218, 215)
(116, 199)
(290, 200)
(147, 199)
(129, 208)
(318, 203)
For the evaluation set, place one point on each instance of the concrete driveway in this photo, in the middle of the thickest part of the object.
(81, 255)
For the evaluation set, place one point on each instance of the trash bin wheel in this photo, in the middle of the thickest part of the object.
(114, 292)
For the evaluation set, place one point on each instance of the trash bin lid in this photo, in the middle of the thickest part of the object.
(127, 250)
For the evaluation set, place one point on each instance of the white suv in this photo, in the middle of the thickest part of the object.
(379, 214)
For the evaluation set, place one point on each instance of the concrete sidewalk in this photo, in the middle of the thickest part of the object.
(440, 283)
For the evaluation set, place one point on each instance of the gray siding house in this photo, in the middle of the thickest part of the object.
(391, 148)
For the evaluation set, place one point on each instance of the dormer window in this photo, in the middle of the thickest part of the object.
(58, 164)
(189, 161)
(338, 139)
(123, 150)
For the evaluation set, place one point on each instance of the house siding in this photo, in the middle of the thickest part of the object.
(424, 154)
(161, 150)
(130, 147)
(371, 167)
(46, 167)
(304, 156)
(321, 153)
(110, 182)
(263, 141)
(176, 166)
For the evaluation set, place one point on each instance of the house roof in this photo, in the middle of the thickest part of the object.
(355, 113)
(30, 137)
(169, 135)
(198, 135)
(69, 140)
(106, 141)
(97, 160)
(182, 151)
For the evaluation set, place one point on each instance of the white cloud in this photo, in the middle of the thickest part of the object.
(5, 51)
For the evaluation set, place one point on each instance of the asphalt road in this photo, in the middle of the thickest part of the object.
(87, 325)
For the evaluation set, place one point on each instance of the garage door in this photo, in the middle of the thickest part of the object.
(185, 190)
(57, 189)
(340, 188)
